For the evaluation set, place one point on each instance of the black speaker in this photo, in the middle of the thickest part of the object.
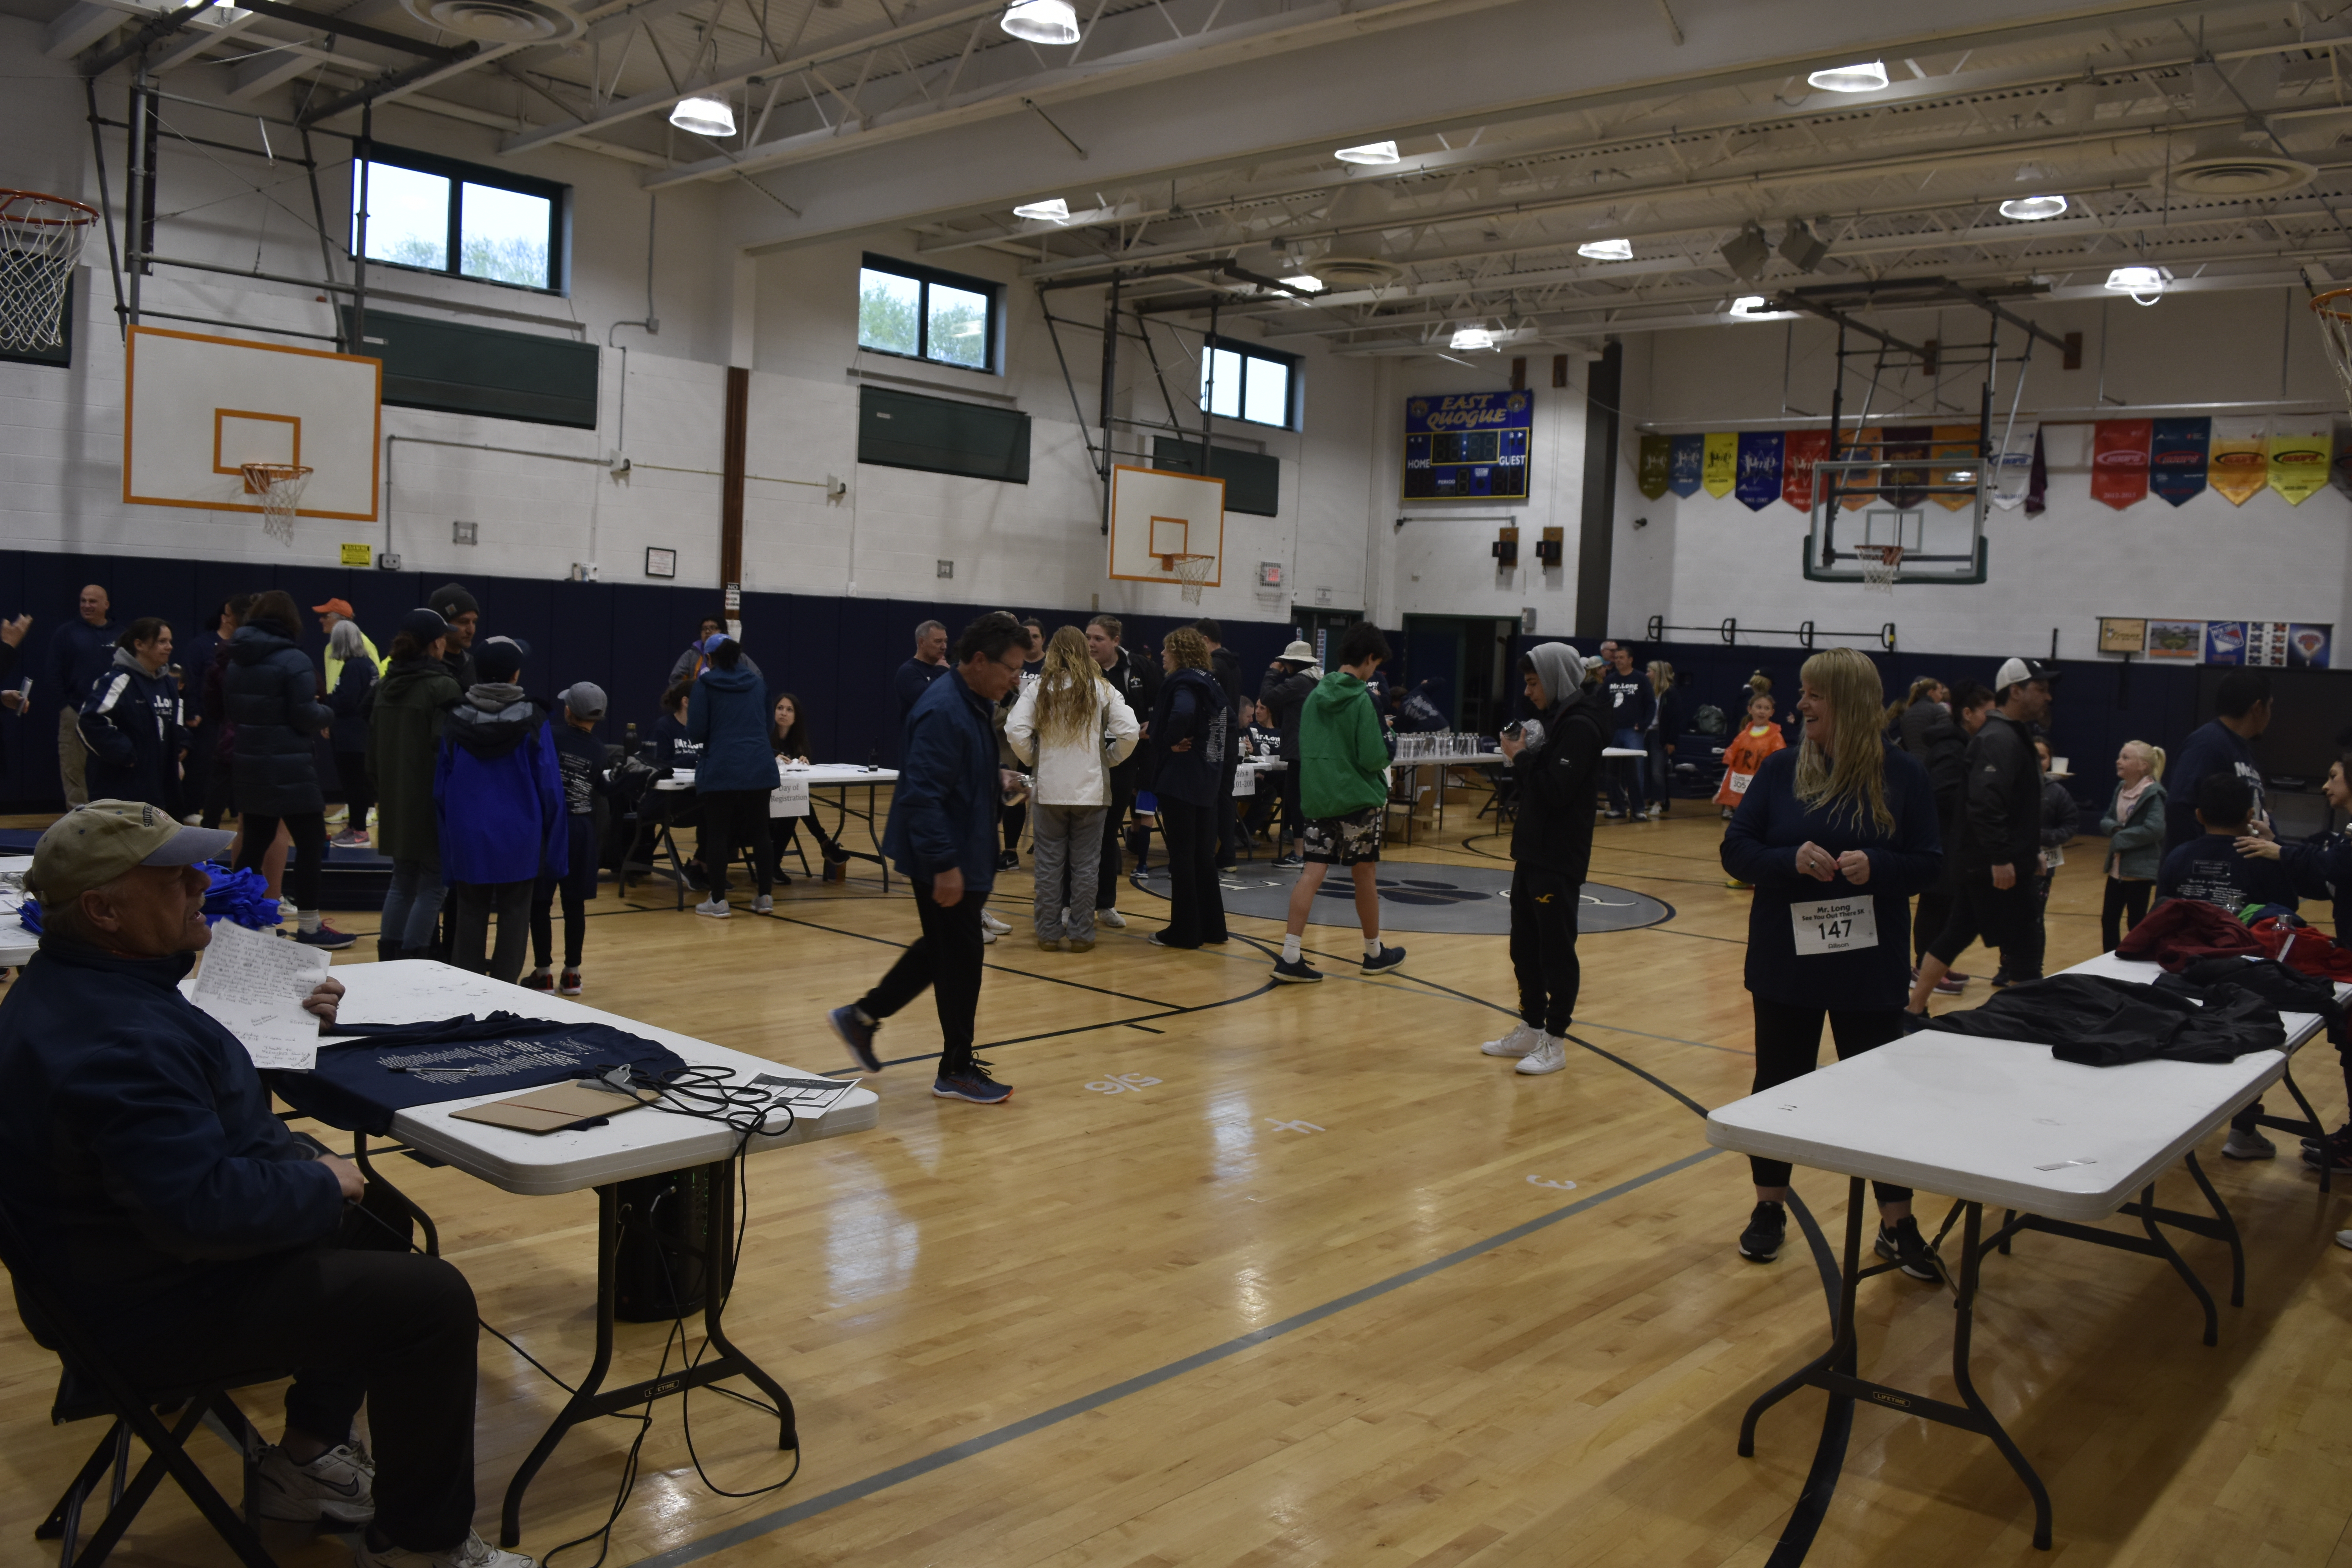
(661, 1272)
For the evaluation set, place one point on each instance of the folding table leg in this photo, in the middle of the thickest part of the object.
(719, 1260)
(1840, 1356)
(2171, 1254)
(376, 1178)
(2230, 1233)
(1963, 1326)
(583, 1405)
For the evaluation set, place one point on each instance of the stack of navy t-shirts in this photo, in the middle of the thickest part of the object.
(361, 1084)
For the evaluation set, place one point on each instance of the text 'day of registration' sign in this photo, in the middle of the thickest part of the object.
(1834, 925)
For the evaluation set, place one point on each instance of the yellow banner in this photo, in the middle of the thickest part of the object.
(2299, 464)
(2238, 466)
(1719, 465)
(1953, 443)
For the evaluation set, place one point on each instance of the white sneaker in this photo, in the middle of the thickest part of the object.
(1549, 1055)
(2248, 1144)
(471, 1552)
(2344, 1239)
(287, 911)
(987, 937)
(991, 925)
(338, 1487)
(1522, 1040)
(1110, 918)
(715, 908)
(763, 905)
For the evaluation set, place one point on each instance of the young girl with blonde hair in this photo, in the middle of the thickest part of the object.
(2134, 825)
(1072, 727)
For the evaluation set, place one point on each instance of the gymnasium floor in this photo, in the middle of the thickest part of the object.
(1170, 1325)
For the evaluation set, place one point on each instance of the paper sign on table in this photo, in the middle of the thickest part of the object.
(254, 985)
(790, 797)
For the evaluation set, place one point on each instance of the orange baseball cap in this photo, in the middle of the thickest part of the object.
(337, 606)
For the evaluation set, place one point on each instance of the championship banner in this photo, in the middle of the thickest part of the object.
(2239, 466)
(2119, 460)
(1799, 453)
(1760, 456)
(2299, 462)
(1953, 443)
(2013, 465)
(2177, 457)
(1683, 457)
(1721, 466)
(1903, 488)
(1650, 474)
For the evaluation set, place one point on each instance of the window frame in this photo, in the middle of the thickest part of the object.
(459, 174)
(992, 335)
(1290, 363)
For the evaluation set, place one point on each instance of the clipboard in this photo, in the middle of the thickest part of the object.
(552, 1108)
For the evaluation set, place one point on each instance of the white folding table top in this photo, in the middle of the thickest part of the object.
(636, 1143)
(819, 775)
(2002, 1121)
(17, 945)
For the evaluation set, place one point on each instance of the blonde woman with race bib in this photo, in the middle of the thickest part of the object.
(1835, 834)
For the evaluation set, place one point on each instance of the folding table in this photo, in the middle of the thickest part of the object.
(841, 777)
(644, 1143)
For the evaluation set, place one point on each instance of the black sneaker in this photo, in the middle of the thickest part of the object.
(1295, 972)
(1009, 861)
(1390, 959)
(1289, 862)
(1760, 1242)
(972, 1083)
(858, 1034)
(1902, 1244)
(2335, 1159)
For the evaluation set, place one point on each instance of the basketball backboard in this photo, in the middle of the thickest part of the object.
(1939, 544)
(1158, 517)
(197, 408)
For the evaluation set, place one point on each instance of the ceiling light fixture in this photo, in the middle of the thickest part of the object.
(1867, 76)
(1472, 336)
(1801, 247)
(1055, 210)
(1748, 305)
(1041, 21)
(704, 117)
(1305, 282)
(1746, 252)
(2146, 285)
(1607, 250)
(1370, 152)
(2033, 209)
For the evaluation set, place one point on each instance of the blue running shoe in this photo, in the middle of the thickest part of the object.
(858, 1034)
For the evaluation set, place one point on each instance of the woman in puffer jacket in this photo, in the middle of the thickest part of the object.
(270, 693)
(131, 722)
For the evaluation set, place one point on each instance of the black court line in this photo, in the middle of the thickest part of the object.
(1171, 1011)
(1000, 968)
(1670, 1039)
(824, 1502)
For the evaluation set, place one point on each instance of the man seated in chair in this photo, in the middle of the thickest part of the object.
(193, 1236)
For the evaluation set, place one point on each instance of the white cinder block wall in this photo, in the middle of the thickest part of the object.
(1701, 559)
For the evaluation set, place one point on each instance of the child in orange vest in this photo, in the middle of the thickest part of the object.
(1747, 750)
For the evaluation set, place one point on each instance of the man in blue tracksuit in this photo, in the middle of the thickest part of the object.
(79, 652)
(1625, 691)
(943, 835)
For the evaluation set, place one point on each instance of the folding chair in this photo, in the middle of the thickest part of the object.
(89, 1384)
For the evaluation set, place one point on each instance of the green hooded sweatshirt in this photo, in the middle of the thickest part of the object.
(1342, 757)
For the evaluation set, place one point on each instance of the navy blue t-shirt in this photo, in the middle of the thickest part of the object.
(2209, 867)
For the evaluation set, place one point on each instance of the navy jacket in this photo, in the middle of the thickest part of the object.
(2211, 748)
(131, 722)
(137, 1153)
(726, 715)
(1759, 845)
(78, 654)
(945, 807)
(270, 690)
(2321, 866)
(2209, 867)
(498, 791)
(1192, 707)
(355, 691)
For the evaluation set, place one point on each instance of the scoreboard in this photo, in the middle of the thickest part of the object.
(1467, 445)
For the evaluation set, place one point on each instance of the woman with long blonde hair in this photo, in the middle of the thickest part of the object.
(1072, 727)
(1835, 834)
(1665, 723)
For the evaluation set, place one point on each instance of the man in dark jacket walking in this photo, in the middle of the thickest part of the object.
(1225, 669)
(1555, 765)
(79, 652)
(943, 835)
(1997, 843)
(1289, 681)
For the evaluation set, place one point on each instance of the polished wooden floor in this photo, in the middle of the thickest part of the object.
(1024, 1335)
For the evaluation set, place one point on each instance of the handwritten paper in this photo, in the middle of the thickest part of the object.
(253, 985)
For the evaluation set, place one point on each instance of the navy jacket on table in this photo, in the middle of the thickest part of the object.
(2209, 867)
(78, 654)
(945, 809)
(1759, 845)
(131, 722)
(1192, 707)
(726, 716)
(137, 1153)
(2211, 748)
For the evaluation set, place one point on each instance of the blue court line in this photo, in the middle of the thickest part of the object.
(752, 1529)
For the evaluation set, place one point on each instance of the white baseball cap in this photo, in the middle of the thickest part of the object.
(2020, 671)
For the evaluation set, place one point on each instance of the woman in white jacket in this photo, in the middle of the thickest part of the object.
(1072, 727)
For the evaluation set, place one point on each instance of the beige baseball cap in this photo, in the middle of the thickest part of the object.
(92, 845)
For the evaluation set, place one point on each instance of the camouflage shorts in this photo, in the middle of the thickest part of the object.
(1349, 840)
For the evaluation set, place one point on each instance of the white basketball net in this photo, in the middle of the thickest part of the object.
(40, 240)
(280, 487)
(1879, 564)
(2334, 309)
(1194, 571)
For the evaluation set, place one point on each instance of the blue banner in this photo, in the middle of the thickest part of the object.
(1685, 464)
(1467, 445)
(1759, 485)
(2177, 455)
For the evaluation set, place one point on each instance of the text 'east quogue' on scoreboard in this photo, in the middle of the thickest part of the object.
(1467, 445)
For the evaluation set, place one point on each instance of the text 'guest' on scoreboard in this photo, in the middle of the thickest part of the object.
(1467, 445)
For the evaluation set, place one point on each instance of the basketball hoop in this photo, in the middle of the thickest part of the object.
(280, 487)
(1193, 571)
(40, 240)
(1880, 562)
(2334, 309)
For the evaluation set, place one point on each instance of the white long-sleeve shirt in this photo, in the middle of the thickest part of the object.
(1075, 774)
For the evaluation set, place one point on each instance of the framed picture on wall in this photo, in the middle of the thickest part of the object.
(660, 562)
(2119, 634)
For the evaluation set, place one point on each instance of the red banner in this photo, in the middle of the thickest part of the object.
(2119, 461)
(1804, 448)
